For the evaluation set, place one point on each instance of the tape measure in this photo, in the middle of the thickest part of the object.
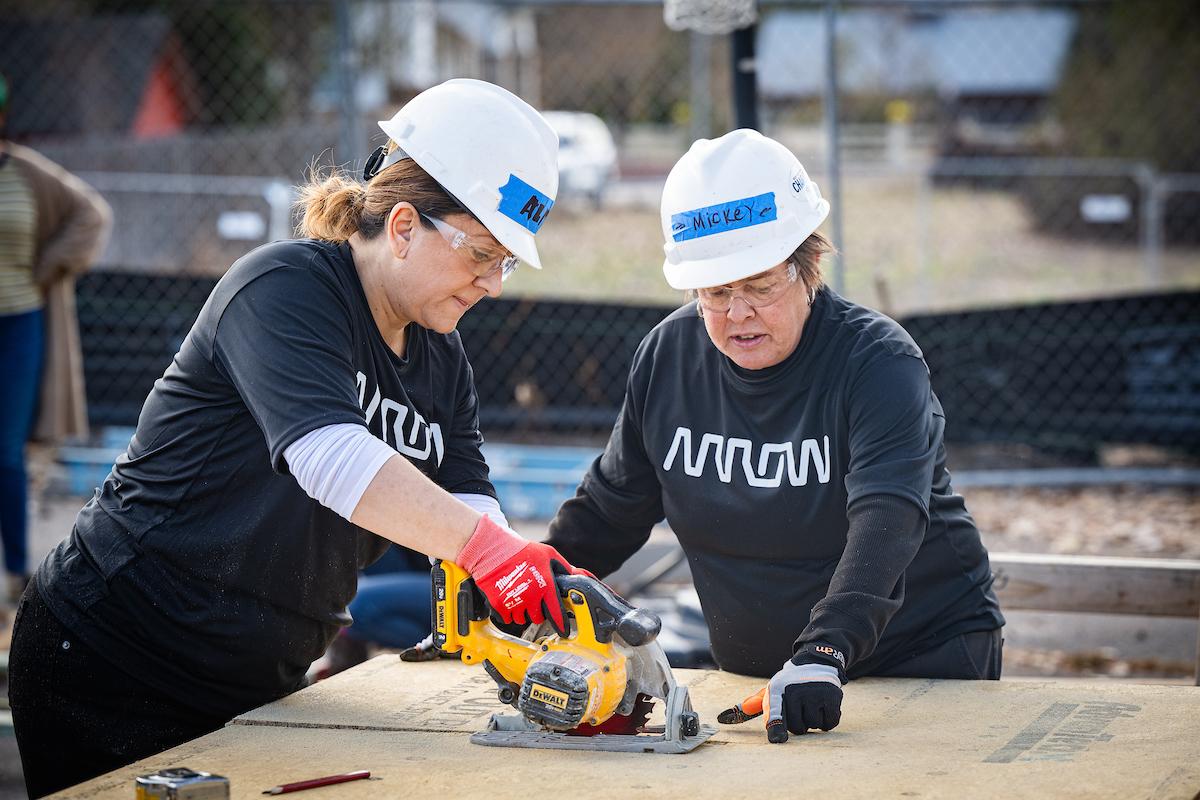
(182, 783)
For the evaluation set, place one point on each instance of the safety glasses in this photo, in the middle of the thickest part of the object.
(757, 292)
(486, 263)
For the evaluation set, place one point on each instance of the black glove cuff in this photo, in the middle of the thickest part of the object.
(816, 653)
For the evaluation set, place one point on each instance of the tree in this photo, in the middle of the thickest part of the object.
(1129, 91)
(1131, 85)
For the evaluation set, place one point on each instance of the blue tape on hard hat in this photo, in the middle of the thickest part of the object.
(524, 204)
(723, 217)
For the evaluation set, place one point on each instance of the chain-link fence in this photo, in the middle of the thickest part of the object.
(1064, 378)
(1008, 174)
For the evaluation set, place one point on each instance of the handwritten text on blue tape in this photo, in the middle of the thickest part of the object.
(723, 217)
(524, 204)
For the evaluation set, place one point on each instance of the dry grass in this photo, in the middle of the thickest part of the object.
(955, 249)
(1092, 664)
(608, 255)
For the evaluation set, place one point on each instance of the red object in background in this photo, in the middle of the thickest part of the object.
(161, 111)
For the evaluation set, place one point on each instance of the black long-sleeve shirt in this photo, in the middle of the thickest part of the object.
(791, 490)
(201, 566)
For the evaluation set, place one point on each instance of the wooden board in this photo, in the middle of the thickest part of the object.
(408, 724)
(1153, 587)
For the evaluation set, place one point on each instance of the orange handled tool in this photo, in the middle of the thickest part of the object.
(754, 706)
(748, 709)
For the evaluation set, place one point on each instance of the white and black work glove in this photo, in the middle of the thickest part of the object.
(806, 694)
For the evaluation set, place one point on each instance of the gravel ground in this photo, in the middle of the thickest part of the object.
(1131, 521)
(1109, 521)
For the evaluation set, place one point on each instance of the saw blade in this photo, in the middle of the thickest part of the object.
(623, 724)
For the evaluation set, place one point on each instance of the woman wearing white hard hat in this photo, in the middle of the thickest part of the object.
(320, 408)
(793, 442)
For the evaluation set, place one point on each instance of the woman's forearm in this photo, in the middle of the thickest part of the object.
(404, 506)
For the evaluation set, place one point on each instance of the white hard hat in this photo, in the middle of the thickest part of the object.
(489, 149)
(734, 207)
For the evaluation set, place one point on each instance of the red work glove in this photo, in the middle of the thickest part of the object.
(516, 575)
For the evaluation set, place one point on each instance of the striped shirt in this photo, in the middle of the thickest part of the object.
(18, 219)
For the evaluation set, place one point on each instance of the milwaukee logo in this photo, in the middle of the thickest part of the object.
(417, 442)
(775, 459)
(505, 581)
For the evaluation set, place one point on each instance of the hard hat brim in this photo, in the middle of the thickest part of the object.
(729, 268)
(520, 242)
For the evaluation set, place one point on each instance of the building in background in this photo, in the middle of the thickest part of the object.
(981, 78)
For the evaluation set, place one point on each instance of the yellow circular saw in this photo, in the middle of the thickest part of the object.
(592, 689)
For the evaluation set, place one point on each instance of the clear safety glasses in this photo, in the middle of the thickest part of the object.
(756, 292)
(486, 262)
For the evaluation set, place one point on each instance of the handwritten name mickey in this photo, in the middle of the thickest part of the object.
(723, 217)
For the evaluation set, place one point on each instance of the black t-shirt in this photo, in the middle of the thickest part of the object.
(200, 565)
(755, 472)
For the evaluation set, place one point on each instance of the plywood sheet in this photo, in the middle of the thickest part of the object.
(899, 738)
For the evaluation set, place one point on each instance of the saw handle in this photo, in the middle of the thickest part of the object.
(610, 612)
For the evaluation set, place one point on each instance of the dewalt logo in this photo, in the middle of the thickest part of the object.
(550, 697)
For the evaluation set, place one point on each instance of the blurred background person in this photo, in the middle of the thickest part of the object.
(52, 226)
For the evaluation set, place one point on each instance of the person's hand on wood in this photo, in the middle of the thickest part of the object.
(806, 694)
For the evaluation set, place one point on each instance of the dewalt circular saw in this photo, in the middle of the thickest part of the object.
(590, 690)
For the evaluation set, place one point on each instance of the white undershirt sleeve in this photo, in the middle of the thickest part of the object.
(335, 464)
(484, 504)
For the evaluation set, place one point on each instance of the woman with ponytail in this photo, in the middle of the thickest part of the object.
(321, 408)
